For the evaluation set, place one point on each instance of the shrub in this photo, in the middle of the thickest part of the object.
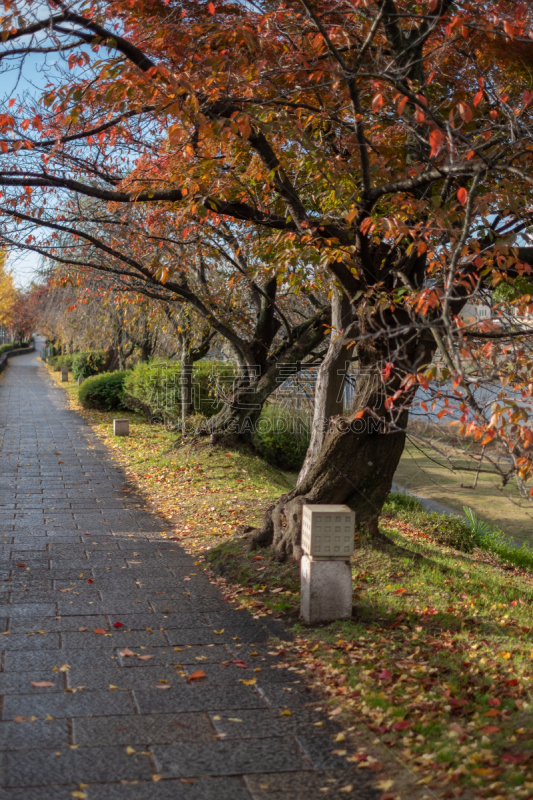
(154, 388)
(90, 362)
(5, 348)
(56, 362)
(282, 437)
(104, 391)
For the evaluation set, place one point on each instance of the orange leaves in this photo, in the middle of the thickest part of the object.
(436, 140)
(462, 195)
(402, 104)
(197, 675)
(377, 103)
(100, 631)
(211, 8)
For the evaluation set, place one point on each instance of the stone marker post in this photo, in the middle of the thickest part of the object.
(328, 533)
(121, 427)
(64, 374)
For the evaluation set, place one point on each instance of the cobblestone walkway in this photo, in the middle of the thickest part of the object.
(101, 630)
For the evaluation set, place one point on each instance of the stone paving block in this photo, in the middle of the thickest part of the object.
(21, 610)
(101, 678)
(81, 704)
(21, 641)
(23, 660)
(20, 682)
(82, 606)
(287, 696)
(35, 623)
(311, 785)
(230, 758)
(196, 698)
(95, 764)
(156, 620)
(199, 789)
(26, 735)
(117, 638)
(143, 730)
(197, 656)
(267, 722)
(201, 636)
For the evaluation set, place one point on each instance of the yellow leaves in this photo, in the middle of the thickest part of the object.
(340, 737)
(251, 682)
(79, 795)
(505, 654)
(285, 713)
(130, 751)
(42, 684)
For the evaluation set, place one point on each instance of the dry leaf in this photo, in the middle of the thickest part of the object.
(126, 652)
(218, 633)
(82, 629)
(130, 751)
(20, 719)
(251, 682)
(336, 711)
(42, 684)
(286, 713)
(144, 658)
(161, 686)
(340, 737)
(347, 789)
(99, 630)
(196, 675)
(79, 795)
(385, 785)
(66, 590)
(64, 668)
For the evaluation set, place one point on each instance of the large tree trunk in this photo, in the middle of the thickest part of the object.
(329, 389)
(356, 465)
(186, 383)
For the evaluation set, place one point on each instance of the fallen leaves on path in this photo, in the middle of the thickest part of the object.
(197, 675)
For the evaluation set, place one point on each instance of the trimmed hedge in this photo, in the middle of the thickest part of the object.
(104, 391)
(6, 348)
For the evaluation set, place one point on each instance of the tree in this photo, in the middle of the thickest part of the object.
(373, 141)
(8, 293)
